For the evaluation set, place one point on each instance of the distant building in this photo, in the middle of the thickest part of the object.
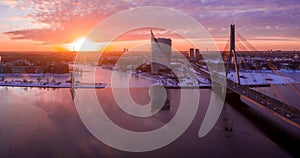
(192, 55)
(198, 55)
(161, 49)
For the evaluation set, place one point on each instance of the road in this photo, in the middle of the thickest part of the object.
(282, 110)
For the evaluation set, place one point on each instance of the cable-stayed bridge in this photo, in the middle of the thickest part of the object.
(276, 107)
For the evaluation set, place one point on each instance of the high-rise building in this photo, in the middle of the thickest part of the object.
(198, 56)
(191, 55)
(161, 49)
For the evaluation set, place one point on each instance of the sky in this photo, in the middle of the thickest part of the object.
(42, 25)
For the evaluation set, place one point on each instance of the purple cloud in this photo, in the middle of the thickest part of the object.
(253, 18)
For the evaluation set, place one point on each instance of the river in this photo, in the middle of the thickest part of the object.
(36, 122)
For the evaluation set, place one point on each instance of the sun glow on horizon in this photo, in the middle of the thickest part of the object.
(83, 44)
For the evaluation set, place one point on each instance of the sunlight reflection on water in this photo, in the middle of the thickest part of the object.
(38, 122)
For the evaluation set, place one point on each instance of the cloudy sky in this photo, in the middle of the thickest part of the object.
(44, 25)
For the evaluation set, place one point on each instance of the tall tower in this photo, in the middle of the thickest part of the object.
(198, 55)
(192, 55)
(161, 49)
(232, 38)
(232, 53)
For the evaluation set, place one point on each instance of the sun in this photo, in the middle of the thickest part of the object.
(83, 44)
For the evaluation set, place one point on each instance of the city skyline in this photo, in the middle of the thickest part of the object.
(149, 78)
(49, 26)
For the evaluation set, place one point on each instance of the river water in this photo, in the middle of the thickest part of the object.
(287, 93)
(37, 122)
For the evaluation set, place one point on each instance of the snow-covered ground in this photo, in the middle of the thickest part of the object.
(139, 79)
(246, 78)
(41, 77)
(51, 85)
(256, 78)
(183, 82)
(263, 77)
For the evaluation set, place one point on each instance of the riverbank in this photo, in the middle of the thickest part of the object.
(52, 85)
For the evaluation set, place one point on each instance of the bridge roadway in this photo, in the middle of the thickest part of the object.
(282, 110)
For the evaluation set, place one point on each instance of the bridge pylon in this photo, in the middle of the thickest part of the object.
(232, 54)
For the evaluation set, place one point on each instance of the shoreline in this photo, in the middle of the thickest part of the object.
(53, 85)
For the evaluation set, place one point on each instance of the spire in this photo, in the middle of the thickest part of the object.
(152, 35)
(153, 39)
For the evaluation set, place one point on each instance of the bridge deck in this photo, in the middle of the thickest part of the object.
(282, 110)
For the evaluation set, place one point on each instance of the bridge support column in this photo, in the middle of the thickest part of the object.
(232, 97)
(232, 54)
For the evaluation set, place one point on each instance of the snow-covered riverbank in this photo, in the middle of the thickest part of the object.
(52, 85)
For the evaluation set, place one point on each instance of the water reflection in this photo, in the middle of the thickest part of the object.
(44, 123)
(38, 122)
